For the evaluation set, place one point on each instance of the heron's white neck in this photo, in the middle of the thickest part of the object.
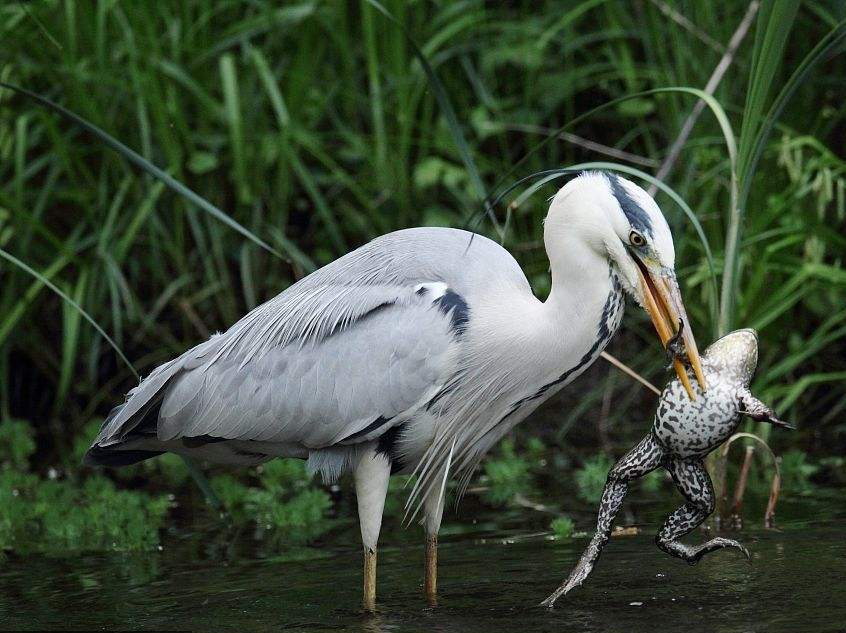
(580, 275)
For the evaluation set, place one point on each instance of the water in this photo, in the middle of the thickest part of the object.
(491, 577)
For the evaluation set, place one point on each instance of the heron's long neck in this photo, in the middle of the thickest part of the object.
(580, 279)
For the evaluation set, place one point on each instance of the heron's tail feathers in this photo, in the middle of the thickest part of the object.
(128, 434)
(128, 424)
(116, 456)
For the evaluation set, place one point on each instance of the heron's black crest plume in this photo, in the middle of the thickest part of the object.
(636, 215)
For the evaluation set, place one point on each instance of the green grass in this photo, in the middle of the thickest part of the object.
(237, 146)
(61, 513)
(562, 527)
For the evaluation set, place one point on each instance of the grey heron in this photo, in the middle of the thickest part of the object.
(414, 353)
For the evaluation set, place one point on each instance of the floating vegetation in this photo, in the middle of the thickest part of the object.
(562, 527)
(52, 513)
(284, 503)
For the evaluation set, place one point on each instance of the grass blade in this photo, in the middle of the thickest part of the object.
(232, 108)
(44, 280)
(145, 165)
(712, 103)
(773, 26)
(449, 114)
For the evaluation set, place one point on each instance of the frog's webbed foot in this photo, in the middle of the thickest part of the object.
(577, 576)
(693, 482)
(694, 553)
(642, 459)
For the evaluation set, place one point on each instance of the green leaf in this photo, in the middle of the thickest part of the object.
(202, 162)
(562, 527)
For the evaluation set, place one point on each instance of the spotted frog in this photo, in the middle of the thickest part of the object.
(683, 433)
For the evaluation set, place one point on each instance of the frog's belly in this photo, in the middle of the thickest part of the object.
(693, 429)
(692, 444)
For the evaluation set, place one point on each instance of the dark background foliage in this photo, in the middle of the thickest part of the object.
(315, 126)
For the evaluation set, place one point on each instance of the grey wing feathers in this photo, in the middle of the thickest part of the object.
(362, 354)
(349, 344)
(322, 392)
(143, 398)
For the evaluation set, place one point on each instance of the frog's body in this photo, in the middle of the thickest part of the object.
(687, 429)
(683, 432)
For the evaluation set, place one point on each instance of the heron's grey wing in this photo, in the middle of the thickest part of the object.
(349, 385)
(320, 306)
(143, 399)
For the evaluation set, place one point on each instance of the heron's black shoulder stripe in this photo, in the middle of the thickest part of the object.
(605, 330)
(387, 445)
(636, 215)
(453, 304)
(380, 421)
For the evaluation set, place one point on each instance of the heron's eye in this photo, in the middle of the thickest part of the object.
(636, 239)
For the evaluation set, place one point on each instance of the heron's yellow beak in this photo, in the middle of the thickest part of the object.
(662, 299)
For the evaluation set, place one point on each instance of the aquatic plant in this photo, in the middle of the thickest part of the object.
(562, 527)
(591, 476)
(56, 513)
(283, 502)
(796, 472)
(232, 101)
(506, 475)
(16, 444)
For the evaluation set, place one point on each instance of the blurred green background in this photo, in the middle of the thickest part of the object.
(316, 126)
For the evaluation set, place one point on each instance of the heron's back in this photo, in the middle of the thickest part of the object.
(390, 310)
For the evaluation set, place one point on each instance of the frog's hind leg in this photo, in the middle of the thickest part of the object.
(642, 459)
(693, 482)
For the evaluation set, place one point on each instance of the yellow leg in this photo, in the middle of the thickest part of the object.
(371, 484)
(430, 578)
(369, 596)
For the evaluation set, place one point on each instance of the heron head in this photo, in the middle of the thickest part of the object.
(620, 222)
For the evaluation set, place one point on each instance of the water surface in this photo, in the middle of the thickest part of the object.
(492, 575)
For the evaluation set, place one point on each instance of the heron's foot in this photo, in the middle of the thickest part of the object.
(693, 554)
(577, 577)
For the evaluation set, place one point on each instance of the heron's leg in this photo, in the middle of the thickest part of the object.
(433, 512)
(371, 474)
(642, 459)
(693, 482)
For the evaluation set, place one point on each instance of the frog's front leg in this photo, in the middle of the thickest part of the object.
(675, 347)
(642, 459)
(757, 410)
(693, 482)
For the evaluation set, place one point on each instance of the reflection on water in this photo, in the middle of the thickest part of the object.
(488, 583)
